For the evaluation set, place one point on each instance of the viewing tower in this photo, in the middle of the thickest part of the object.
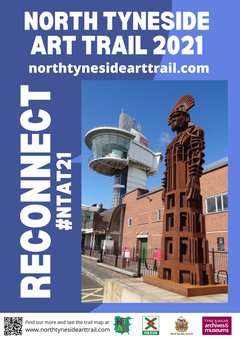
(122, 152)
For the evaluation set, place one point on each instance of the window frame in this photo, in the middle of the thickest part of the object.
(217, 210)
(220, 244)
(159, 215)
(130, 222)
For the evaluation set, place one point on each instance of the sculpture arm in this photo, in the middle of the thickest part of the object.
(195, 162)
(164, 180)
(196, 155)
(164, 185)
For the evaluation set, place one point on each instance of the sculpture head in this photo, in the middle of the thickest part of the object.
(179, 117)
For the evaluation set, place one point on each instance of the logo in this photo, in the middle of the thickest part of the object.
(181, 325)
(217, 325)
(150, 325)
(121, 324)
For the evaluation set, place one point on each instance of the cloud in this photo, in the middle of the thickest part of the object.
(164, 138)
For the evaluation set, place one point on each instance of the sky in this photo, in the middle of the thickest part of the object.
(150, 103)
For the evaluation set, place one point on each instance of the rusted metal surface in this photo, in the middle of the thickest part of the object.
(184, 244)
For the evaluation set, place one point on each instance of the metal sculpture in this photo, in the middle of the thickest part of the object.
(184, 244)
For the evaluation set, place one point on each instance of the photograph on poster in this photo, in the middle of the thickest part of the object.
(156, 231)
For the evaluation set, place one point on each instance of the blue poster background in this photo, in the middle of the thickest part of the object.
(221, 52)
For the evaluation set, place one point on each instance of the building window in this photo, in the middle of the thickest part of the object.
(159, 214)
(108, 145)
(217, 203)
(220, 243)
(130, 222)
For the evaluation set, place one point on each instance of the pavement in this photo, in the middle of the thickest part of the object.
(101, 272)
(119, 287)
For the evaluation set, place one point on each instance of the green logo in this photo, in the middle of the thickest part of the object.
(122, 324)
(150, 325)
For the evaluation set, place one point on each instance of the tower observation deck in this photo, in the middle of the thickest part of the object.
(122, 152)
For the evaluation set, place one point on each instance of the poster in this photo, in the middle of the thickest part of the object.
(55, 57)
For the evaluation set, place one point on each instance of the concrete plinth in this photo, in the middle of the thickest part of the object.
(136, 291)
(185, 289)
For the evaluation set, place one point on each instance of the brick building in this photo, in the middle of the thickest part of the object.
(214, 187)
(144, 212)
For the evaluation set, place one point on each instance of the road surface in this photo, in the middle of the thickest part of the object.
(92, 291)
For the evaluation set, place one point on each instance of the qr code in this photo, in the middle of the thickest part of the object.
(13, 326)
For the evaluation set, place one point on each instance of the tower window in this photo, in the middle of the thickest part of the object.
(171, 201)
(169, 221)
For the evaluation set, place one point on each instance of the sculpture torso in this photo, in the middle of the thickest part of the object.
(184, 159)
